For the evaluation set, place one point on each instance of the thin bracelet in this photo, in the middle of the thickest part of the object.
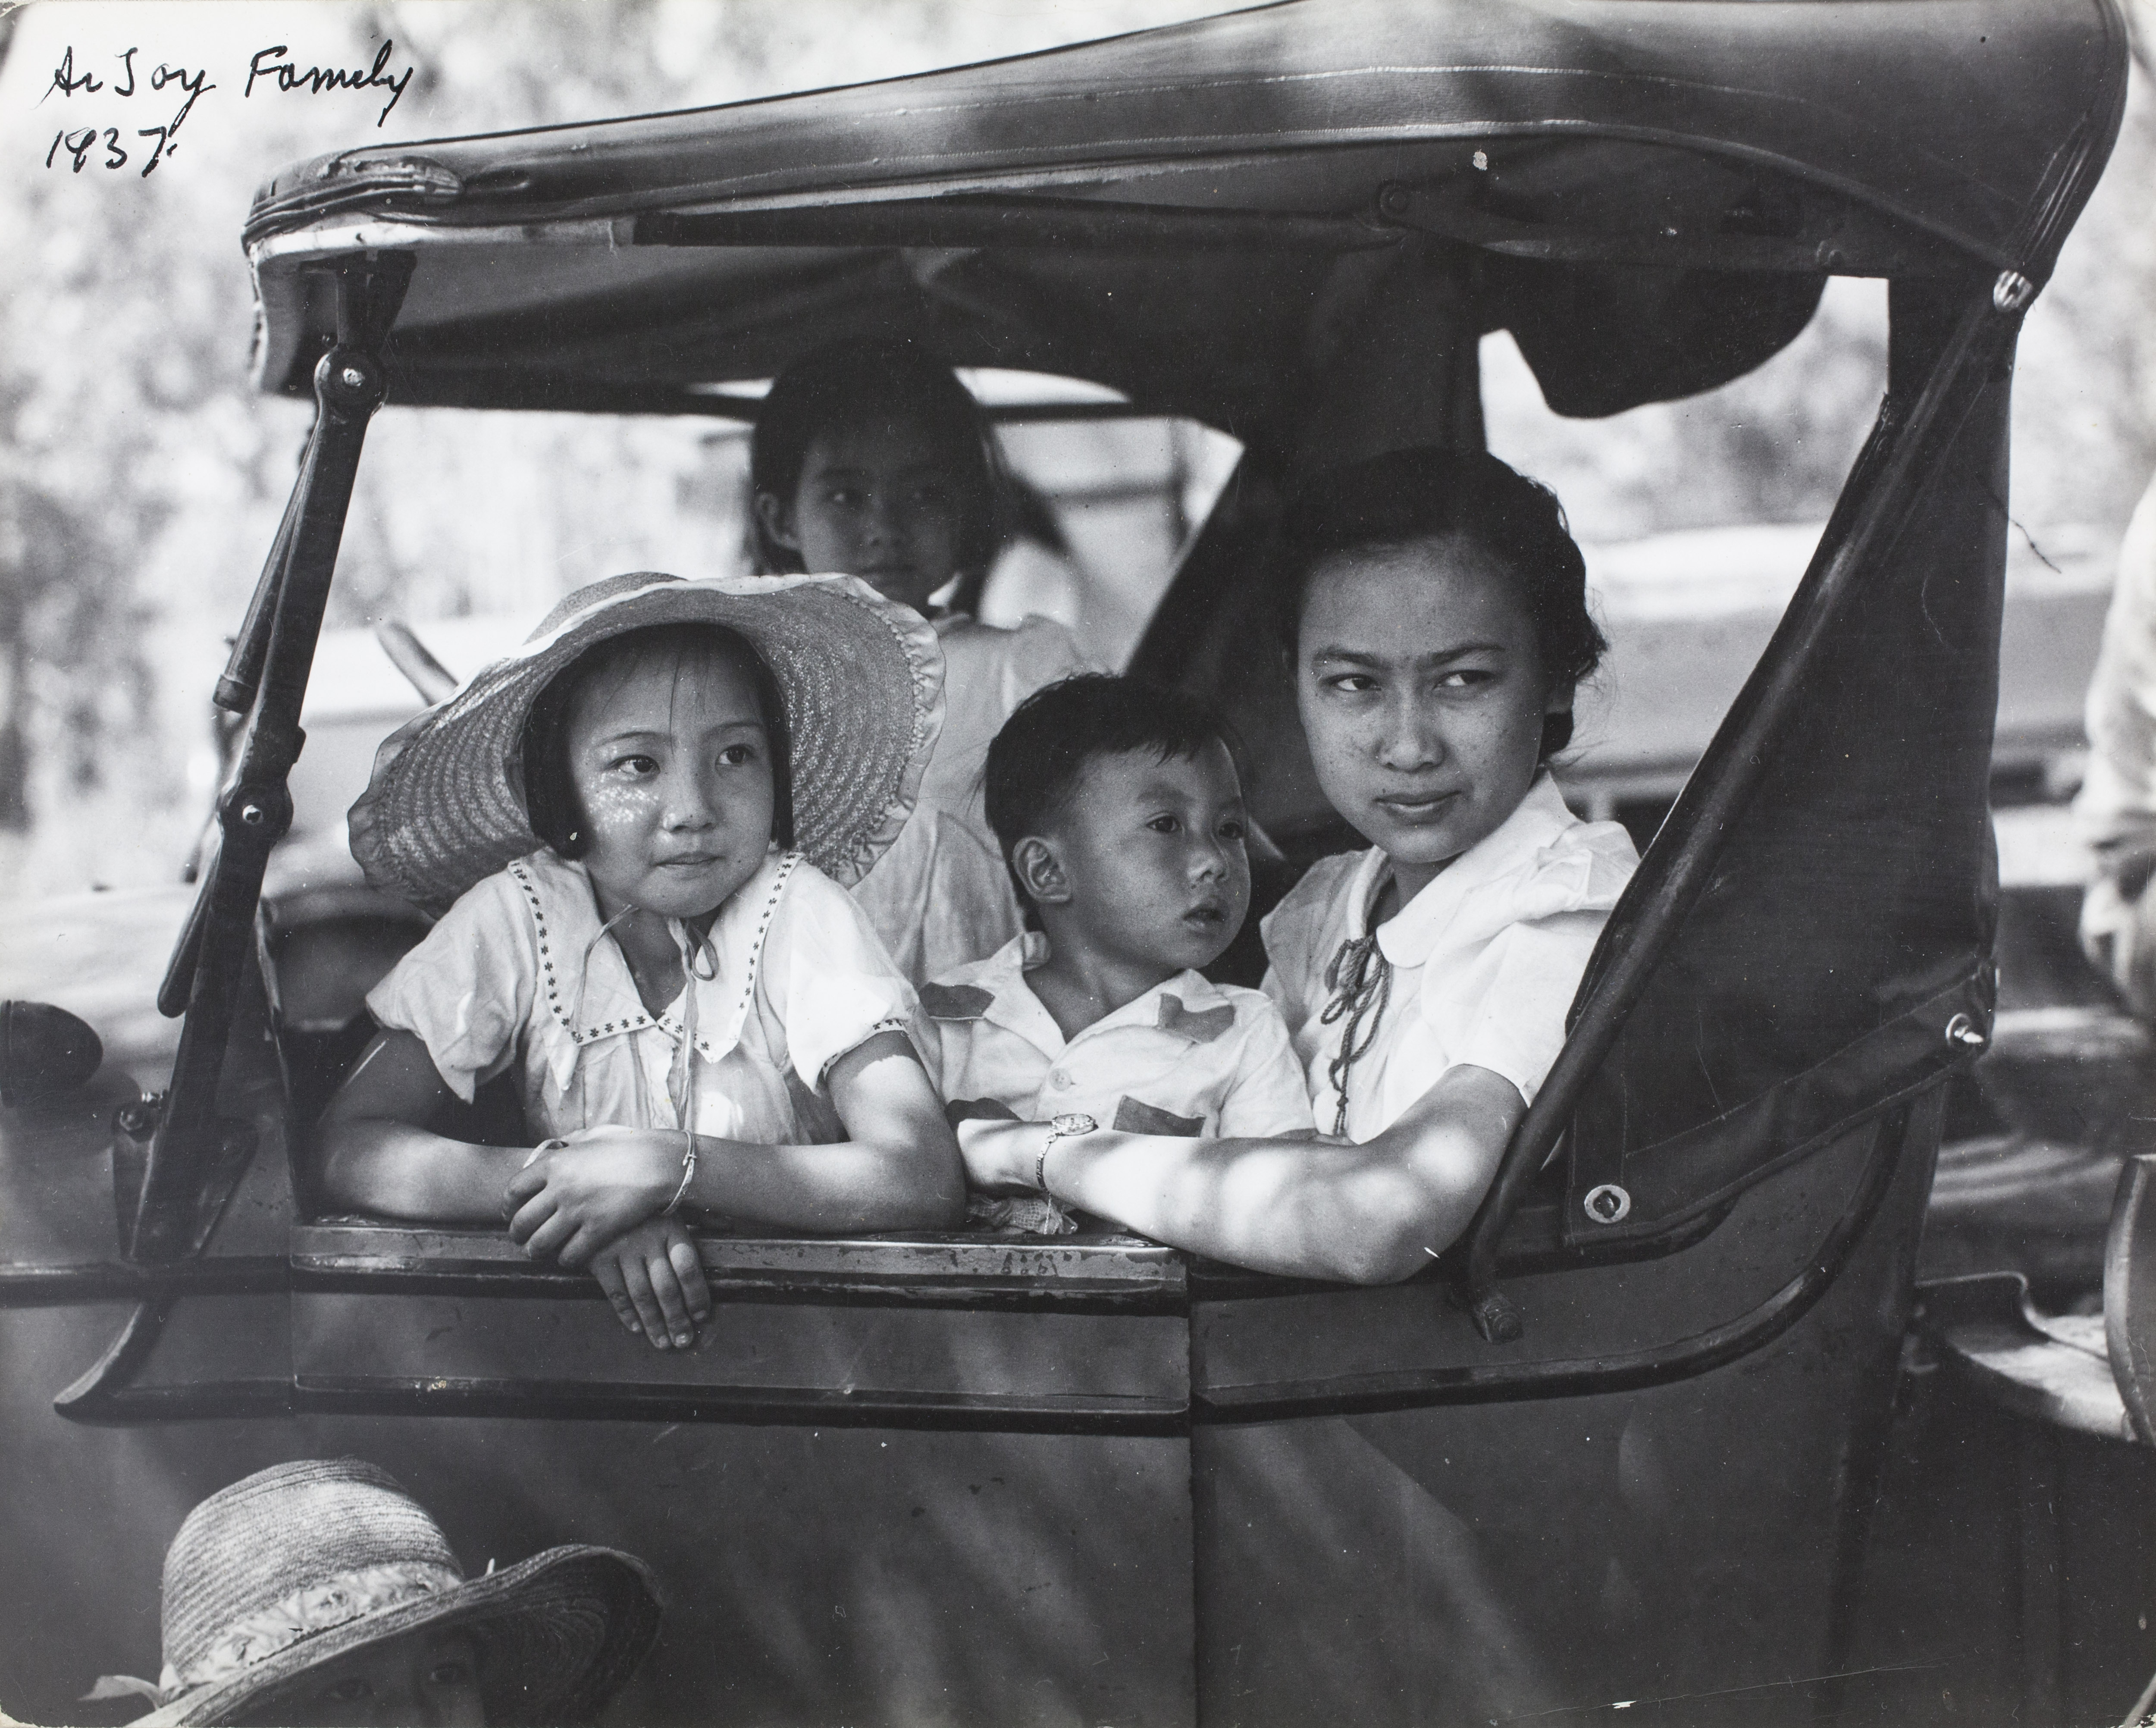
(688, 1173)
(533, 1156)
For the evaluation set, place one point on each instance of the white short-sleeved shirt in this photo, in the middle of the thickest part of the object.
(986, 673)
(1189, 1056)
(2115, 809)
(1485, 960)
(517, 974)
(940, 896)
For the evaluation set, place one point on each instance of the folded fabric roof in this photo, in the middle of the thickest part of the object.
(1172, 213)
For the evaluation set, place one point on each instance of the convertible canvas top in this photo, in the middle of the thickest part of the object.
(1173, 212)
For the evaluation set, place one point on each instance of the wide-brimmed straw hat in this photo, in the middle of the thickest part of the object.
(862, 679)
(295, 1565)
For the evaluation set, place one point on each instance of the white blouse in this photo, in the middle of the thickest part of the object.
(1485, 960)
(517, 973)
(987, 672)
(940, 896)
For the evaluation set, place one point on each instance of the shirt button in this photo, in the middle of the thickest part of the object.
(1060, 1080)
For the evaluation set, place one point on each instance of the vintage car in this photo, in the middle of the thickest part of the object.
(1622, 1447)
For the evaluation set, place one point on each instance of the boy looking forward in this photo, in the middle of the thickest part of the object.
(1118, 809)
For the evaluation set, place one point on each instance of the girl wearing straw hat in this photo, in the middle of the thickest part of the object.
(319, 1594)
(640, 826)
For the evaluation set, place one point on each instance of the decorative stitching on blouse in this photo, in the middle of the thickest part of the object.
(889, 1023)
(754, 969)
(522, 878)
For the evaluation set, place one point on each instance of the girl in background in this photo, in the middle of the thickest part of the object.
(871, 458)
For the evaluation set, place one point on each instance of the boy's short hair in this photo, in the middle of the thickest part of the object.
(552, 806)
(1036, 759)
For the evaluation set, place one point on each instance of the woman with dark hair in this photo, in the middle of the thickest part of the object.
(872, 458)
(1437, 628)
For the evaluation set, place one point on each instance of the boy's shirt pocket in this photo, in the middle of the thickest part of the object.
(1135, 1116)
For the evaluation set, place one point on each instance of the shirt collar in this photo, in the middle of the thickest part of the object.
(1012, 1004)
(1412, 935)
(584, 977)
(1188, 1005)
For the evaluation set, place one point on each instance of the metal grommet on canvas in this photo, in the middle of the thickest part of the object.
(1608, 1204)
(2012, 291)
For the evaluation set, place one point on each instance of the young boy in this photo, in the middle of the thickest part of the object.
(1118, 811)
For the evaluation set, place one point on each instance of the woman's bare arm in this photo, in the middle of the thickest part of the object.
(1367, 1213)
(380, 1153)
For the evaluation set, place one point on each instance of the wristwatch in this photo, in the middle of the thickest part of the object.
(1067, 1127)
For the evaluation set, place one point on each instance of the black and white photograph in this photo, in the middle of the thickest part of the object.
(1078, 863)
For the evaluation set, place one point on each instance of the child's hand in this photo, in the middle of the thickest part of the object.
(655, 1281)
(578, 1193)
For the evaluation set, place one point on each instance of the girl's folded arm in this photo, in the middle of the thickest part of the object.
(1370, 1214)
(379, 1153)
(898, 1169)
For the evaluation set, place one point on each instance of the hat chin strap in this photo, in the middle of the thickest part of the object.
(336, 1600)
(700, 964)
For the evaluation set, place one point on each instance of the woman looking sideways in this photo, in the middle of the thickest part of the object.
(1437, 621)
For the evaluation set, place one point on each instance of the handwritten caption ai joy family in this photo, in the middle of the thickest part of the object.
(269, 70)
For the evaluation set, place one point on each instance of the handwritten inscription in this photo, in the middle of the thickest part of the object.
(269, 63)
(83, 141)
(99, 146)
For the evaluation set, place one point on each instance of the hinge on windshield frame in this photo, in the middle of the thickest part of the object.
(133, 1127)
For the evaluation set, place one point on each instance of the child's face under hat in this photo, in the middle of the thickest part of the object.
(1144, 859)
(859, 683)
(424, 1680)
(671, 760)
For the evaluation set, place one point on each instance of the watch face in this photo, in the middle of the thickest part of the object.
(1062, 1126)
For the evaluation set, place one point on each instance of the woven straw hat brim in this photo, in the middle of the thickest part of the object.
(558, 1634)
(862, 679)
